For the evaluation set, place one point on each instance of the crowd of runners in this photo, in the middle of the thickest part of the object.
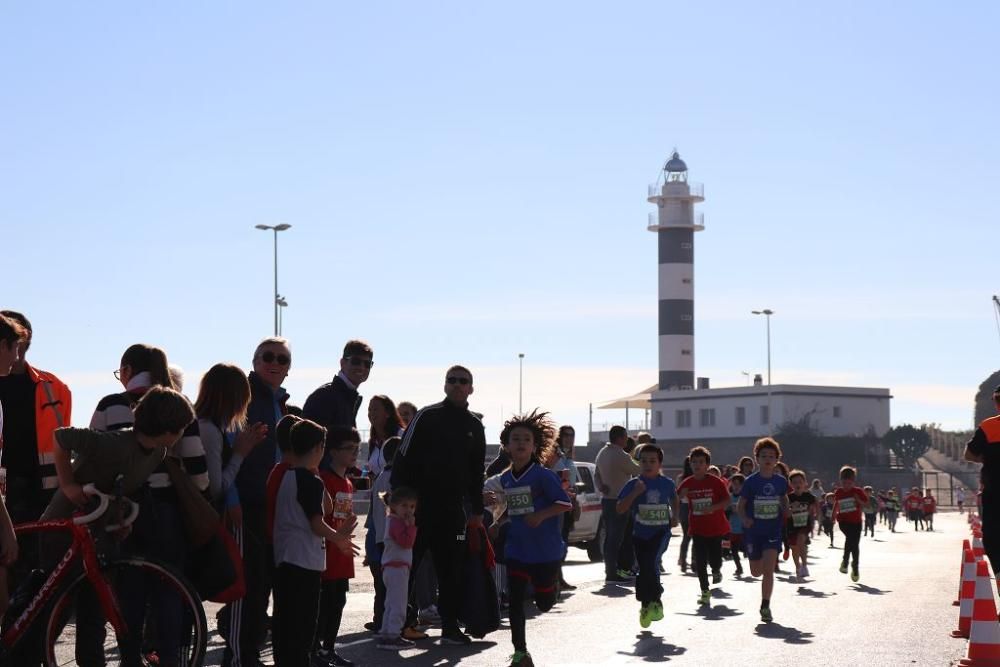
(283, 480)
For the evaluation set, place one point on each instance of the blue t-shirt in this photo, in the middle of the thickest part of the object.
(763, 503)
(735, 522)
(536, 488)
(651, 510)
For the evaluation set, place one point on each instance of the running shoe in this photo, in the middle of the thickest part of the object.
(704, 597)
(765, 614)
(716, 576)
(428, 616)
(625, 574)
(455, 637)
(413, 634)
(645, 615)
(393, 643)
(656, 609)
(521, 659)
(739, 572)
(684, 565)
(855, 575)
(843, 568)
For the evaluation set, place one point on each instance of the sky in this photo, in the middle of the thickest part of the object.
(467, 181)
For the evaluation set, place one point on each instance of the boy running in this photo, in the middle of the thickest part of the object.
(708, 499)
(891, 510)
(914, 508)
(652, 500)
(870, 509)
(827, 510)
(849, 501)
(801, 515)
(929, 507)
(735, 522)
(763, 504)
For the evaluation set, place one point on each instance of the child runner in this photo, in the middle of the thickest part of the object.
(849, 501)
(930, 505)
(397, 557)
(299, 544)
(341, 454)
(914, 504)
(891, 509)
(735, 522)
(960, 499)
(801, 515)
(535, 499)
(708, 498)
(763, 505)
(870, 509)
(827, 510)
(652, 500)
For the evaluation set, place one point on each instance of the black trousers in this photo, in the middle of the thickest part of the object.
(445, 541)
(990, 513)
(707, 551)
(296, 606)
(852, 541)
(332, 599)
(258, 569)
(647, 585)
(543, 579)
(869, 524)
(626, 553)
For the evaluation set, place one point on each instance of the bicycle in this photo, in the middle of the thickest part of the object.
(94, 596)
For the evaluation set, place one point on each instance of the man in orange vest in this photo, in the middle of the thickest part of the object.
(35, 404)
(985, 448)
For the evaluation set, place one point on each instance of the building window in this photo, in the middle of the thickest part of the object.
(706, 417)
(741, 416)
(765, 414)
(836, 412)
(683, 418)
(658, 420)
(685, 353)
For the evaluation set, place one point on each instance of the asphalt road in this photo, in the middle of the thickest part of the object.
(899, 613)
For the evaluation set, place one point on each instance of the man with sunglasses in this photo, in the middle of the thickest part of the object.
(336, 403)
(248, 617)
(442, 457)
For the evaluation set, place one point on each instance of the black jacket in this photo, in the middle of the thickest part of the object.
(333, 404)
(442, 457)
(251, 481)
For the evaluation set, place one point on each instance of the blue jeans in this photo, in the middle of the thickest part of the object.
(614, 533)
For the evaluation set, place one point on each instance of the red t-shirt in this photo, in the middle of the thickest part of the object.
(929, 505)
(702, 493)
(271, 493)
(338, 564)
(914, 502)
(849, 504)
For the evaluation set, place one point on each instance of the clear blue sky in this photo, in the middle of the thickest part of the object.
(467, 181)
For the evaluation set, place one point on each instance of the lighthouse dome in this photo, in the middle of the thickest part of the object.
(675, 164)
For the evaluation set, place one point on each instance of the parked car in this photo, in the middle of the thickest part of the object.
(588, 532)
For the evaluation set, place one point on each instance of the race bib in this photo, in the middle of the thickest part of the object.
(654, 515)
(519, 500)
(766, 508)
(848, 505)
(800, 519)
(343, 505)
(699, 506)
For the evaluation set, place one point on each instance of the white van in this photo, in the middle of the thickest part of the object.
(588, 532)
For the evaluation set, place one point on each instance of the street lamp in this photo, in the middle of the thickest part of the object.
(767, 312)
(520, 382)
(282, 304)
(276, 228)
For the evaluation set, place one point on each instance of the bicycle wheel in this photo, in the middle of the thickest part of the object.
(164, 616)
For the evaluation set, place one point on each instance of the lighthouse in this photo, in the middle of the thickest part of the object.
(675, 223)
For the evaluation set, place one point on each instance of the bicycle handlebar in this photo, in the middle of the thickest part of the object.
(104, 500)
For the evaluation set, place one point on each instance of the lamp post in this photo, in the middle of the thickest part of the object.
(520, 383)
(767, 312)
(275, 228)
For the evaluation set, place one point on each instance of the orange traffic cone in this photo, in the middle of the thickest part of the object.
(967, 571)
(966, 597)
(977, 546)
(984, 634)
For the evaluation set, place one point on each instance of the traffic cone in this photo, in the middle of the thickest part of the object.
(984, 633)
(966, 597)
(977, 546)
(967, 571)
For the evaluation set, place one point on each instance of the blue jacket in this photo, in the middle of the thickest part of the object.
(266, 407)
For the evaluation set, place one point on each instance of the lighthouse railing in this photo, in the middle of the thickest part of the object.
(695, 189)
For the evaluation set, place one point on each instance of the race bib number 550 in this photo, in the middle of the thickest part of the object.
(519, 501)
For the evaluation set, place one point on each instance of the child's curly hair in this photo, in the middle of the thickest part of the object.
(543, 431)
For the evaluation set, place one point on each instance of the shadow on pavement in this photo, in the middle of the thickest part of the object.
(714, 613)
(808, 592)
(719, 594)
(612, 591)
(861, 588)
(651, 648)
(778, 631)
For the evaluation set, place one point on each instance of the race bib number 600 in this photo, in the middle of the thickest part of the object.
(519, 501)
(766, 508)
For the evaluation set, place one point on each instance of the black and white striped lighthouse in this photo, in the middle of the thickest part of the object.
(675, 222)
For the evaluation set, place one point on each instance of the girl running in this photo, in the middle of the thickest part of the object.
(801, 516)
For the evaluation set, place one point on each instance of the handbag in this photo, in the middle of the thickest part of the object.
(215, 569)
(201, 521)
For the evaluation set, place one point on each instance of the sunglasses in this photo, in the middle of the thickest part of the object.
(360, 361)
(270, 357)
(455, 380)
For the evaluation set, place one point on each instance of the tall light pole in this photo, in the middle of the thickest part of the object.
(520, 382)
(276, 228)
(767, 312)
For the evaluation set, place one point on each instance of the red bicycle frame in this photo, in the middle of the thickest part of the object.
(81, 549)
